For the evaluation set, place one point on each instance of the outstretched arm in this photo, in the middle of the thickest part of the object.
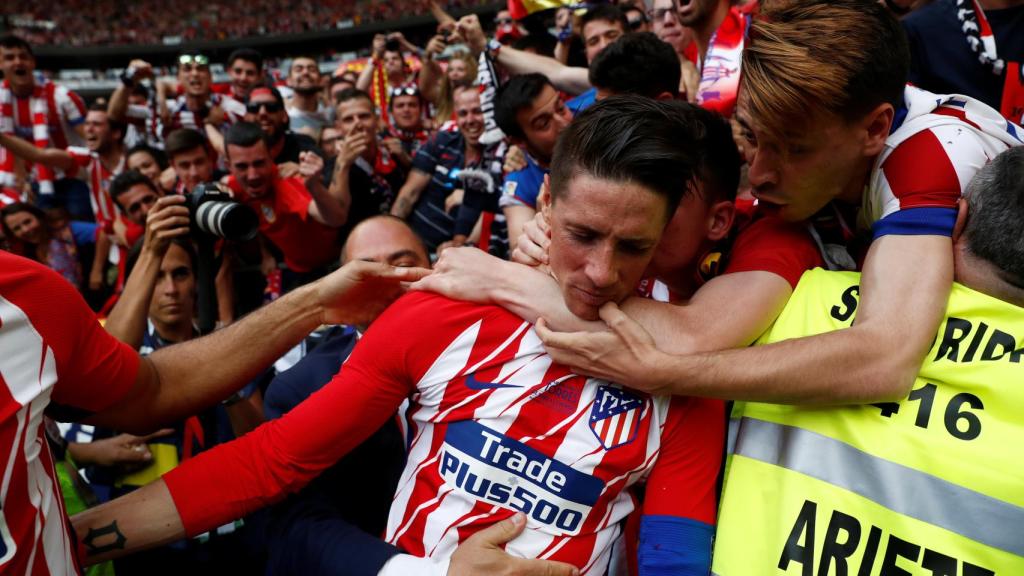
(53, 157)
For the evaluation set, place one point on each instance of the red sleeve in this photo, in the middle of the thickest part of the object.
(81, 156)
(283, 455)
(770, 244)
(936, 187)
(94, 370)
(296, 197)
(683, 481)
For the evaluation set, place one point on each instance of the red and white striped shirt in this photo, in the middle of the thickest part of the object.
(54, 356)
(99, 178)
(495, 427)
(65, 111)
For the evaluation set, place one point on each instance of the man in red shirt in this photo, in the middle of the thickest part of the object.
(297, 215)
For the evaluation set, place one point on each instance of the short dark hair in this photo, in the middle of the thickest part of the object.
(995, 214)
(183, 140)
(637, 63)
(607, 12)
(515, 95)
(126, 180)
(158, 155)
(244, 135)
(634, 139)
(543, 44)
(718, 159)
(247, 54)
(352, 94)
(12, 41)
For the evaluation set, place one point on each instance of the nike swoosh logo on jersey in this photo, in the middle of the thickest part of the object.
(473, 384)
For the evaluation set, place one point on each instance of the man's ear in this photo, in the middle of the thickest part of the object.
(961, 219)
(876, 126)
(720, 218)
(544, 197)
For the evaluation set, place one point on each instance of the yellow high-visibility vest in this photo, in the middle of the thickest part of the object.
(932, 485)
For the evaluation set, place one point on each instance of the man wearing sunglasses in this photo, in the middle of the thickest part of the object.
(196, 105)
(406, 133)
(266, 107)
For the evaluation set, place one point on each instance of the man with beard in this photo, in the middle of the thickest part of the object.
(307, 113)
(266, 107)
(450, 165)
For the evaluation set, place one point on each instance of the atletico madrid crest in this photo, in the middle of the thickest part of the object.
(615, 416)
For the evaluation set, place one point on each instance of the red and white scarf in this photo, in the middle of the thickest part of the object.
(720, 69)
(979, 35)
(36, 107)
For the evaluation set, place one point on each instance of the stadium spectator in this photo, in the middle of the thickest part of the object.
(407, 132)
(679, 507)
(365, 171)
(42, 113)
(131, 103)
(307, 112)
(387, 68)
(338, 84)
(102, 158)
(330, 139)
(718, 29)
(666, 24)
(532, 114)
(152, 163)
(245, 67)
(197, 106)
(636, 18)
(297, 214)
(973, 48)
(135, 194)
(454, 179)
(437, 87)
(267, 108)
(192, 159)
(59, 248)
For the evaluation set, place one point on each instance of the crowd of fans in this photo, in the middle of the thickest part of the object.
(634, 246)
(115, 22)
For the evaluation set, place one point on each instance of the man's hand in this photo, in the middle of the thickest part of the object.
(123, 450)
(167, 219)
(352, 147)
(465, 274)
(359, 291)
(469, 28)
(484, 553)
(310, 166)
(394, 147)
(454, 199)
(532, 247)
(95, 278)
(690, 81)
(620, 354)
(457, 242)
(436, 45)
(215, 117)
(515, 160)
(140, 69)
(287, 170)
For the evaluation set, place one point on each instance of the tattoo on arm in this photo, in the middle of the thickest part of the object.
(105, 539)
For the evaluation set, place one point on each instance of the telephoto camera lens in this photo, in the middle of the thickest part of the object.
(216, 213)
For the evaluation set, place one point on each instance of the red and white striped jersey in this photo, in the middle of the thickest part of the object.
(65, 111)
(182, 117)
(54, 357)
(99, 178)
(494, 427)
(937, 144)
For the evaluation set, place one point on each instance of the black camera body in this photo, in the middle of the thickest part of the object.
(215, 212)
(393, 45)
